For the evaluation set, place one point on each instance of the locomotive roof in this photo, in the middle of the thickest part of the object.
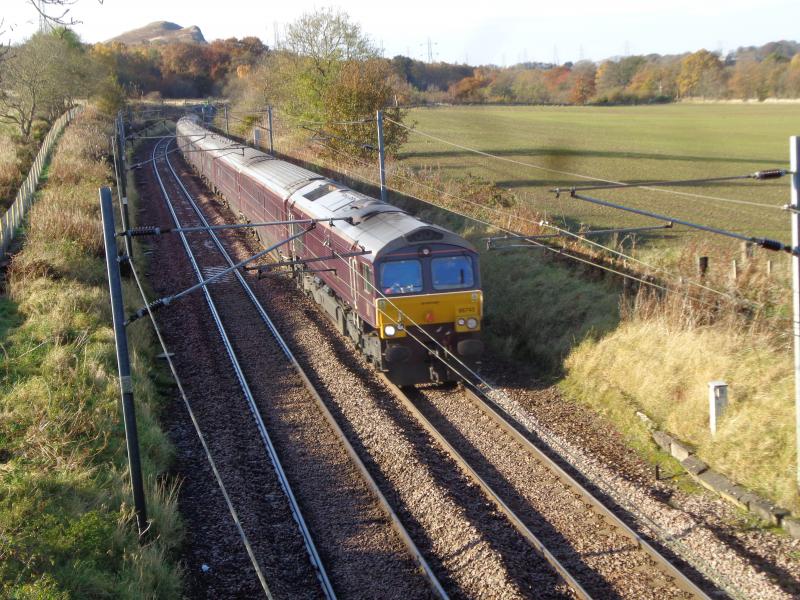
(376, 225)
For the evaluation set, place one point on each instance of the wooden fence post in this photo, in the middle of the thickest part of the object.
(702, 265)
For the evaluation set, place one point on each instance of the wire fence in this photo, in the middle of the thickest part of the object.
(13, 217)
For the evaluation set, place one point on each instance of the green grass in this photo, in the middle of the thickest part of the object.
(632, 143)
(657, 356)
(66, 523)
(641, 352)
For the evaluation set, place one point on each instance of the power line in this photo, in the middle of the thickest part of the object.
(578, 175)
(482, 385)
(565, 232)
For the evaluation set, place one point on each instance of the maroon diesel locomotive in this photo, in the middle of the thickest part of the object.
(406, 292)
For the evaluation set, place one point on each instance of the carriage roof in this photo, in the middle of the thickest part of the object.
(376, 225)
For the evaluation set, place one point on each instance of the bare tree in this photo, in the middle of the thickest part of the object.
(5, 47)
(56, 12)
(41, 78)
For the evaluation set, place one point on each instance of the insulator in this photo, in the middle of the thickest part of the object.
(771, 174)
(137, 231)
(155, 304)
(772, 245)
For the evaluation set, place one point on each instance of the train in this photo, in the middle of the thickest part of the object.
(406, 292)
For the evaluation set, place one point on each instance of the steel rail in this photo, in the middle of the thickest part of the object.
(316, 561)
(500, 418)
(411, 546)
(212, 463)
(516, 522)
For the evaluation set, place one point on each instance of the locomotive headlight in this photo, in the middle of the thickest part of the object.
(472, 323)
(461, 322)
(389, 330)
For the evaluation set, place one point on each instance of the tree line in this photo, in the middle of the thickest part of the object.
(327, 69)
(748, 74)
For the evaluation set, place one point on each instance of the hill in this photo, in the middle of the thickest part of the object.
(161, 32)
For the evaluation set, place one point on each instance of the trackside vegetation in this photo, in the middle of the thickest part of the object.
(66, 524)
(619, 349)
(649, 352)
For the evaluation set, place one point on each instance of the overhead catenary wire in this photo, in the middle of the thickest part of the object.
(757, 175)
(577, 175)
(480, 384)
(232, 149)
(244, 385)
(235, 115)
(449, 359)
(765, 243)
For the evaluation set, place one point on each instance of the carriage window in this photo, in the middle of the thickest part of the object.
(401, 277)
(452, 273)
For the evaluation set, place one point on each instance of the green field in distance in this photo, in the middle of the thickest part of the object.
(631, 143)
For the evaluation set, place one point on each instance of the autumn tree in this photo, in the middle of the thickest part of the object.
(613, 76)
(529, 86)
(315, 49)
(583, 83)
(359, 89)
(326, 71)
(557, 82)
(469, 88)
(700, 75)
(747, 81)
(792, 79)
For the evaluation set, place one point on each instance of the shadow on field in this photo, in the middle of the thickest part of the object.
(565, 184)
(584, 153)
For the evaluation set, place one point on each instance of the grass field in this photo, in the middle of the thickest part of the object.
(620, 352)
(632, 143)
(658, 359)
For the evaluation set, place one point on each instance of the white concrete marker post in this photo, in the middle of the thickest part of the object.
(717, 401)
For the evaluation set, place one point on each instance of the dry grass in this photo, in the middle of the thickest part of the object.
(84, 148)
(10, 172)
(651, 364)
(66, 527)
(62, 213)
(632, 347)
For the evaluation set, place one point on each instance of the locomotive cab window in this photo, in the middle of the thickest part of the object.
(452, 273)
(401, 277)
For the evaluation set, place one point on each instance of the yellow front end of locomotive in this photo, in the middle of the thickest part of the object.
(461, 309)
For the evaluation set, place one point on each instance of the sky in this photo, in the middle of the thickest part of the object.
(501, 32)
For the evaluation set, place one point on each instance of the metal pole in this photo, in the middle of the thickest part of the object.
(269, 120)
(123, 360)
(123, 200)
(123, 186)
(794, 152)
(227, 124)
(381, 156)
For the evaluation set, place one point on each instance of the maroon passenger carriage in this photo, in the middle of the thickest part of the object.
(400, 288)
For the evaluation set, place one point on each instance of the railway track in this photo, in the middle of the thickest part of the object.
(578, 534)
(349, 504)
(591, 550)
